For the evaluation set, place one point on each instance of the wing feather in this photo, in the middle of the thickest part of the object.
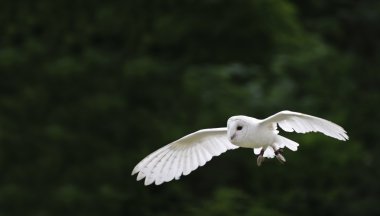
(150, 168)
(146, 167)
(205, 153)
(186, 167)
(173, 165)
(180, 164)
(194, 159)
(302, 123)
(209, 149)
(201, 159)
(148, 159)
(162, 169)
(183, 156)
(222, 147)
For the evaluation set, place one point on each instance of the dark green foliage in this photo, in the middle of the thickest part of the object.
(89, 88)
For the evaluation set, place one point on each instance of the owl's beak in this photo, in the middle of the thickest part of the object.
(232, 137)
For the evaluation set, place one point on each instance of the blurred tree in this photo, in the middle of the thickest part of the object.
(89, 88)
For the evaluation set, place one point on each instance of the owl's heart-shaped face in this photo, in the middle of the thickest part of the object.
(236, 129)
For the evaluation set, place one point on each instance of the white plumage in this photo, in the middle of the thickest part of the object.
(183, 156)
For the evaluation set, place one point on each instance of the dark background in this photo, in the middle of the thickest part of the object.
(89, 88)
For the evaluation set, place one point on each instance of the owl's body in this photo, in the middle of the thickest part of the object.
(189, 152)
(258, 136)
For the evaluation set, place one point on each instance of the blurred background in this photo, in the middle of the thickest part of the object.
(89, 88)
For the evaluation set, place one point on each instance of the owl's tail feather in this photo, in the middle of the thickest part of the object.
(281, 142)
(290, 144)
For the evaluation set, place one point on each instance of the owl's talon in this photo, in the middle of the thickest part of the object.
(279, 156)
(260, 160)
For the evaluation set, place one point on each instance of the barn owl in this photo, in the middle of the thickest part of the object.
(186, 154)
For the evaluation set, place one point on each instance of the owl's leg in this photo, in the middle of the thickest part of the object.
(279, 156)
(260, 158)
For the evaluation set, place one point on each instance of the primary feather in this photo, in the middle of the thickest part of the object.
(302, 123)
(183, 156)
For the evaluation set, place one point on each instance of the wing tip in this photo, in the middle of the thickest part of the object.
(344, 136)
(158, 182)
(134, 171)
(340, 134)
(148, 181)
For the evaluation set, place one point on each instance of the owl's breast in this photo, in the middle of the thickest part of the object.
(255, 138)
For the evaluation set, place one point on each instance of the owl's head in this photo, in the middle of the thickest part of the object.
(237, 127)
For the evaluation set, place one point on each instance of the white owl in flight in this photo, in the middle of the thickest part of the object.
(183, 156)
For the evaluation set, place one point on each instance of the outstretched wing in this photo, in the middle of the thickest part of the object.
(183, 156)
(302, 123)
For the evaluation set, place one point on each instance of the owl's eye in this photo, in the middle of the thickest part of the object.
(239, 127)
